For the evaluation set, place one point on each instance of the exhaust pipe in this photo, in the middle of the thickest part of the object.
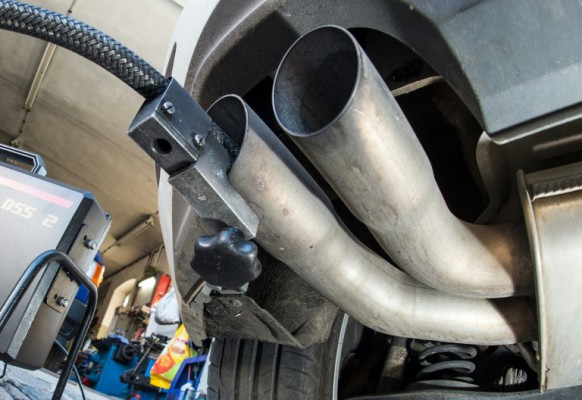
(298, 226)
(334, 104)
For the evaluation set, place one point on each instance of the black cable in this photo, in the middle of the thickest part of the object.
(96, 46)
(3, 374)
(75, 370)
(84, 40)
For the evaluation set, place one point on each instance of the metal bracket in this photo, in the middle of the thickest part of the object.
(240, 316)
(206, 187)
(64, 288)
(552, 205)
(179, 136)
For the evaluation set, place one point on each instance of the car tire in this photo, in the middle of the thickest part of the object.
(250, 369)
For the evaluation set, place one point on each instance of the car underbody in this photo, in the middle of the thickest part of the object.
(413, 164)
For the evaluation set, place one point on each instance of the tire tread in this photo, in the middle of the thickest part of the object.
(252, 370)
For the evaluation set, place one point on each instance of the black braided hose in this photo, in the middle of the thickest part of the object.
(84, 40)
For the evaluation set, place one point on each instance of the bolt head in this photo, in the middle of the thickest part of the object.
(62, 301)
(91, 244)
(168, 108)
(199, 140)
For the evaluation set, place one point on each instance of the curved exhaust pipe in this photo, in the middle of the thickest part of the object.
(328, 96)
(298, 227)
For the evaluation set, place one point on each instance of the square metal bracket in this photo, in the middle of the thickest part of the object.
(182, 139)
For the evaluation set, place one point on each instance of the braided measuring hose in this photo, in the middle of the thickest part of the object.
(84, 40)
(231, 147)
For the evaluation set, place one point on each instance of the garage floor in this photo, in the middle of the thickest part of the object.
(21, 384)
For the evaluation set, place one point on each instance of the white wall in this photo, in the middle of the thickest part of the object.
(115, 301)
(118, 288)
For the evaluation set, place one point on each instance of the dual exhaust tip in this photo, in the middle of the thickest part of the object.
(330, 99)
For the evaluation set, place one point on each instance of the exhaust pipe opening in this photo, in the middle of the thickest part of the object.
(314, 87)
(329, 97)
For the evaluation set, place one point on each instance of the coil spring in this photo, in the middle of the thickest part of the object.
(451, 361)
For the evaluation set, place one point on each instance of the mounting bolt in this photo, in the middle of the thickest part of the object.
(168, 108)
(199, 140)
(62, 301)
(91, 244)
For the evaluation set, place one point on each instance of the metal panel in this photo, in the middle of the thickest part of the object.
(552, 202)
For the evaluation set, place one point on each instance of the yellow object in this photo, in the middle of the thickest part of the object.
(168, 363)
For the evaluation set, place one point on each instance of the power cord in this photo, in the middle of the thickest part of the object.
(75, 370)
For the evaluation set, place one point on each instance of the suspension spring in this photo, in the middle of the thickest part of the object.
(447, 365)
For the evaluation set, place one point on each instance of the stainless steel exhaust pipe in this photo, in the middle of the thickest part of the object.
(298, 227)
(328, 96)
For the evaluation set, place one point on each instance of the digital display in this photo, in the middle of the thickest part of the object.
(29, 200)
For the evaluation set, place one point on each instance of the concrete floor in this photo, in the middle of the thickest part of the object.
(21, 384)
